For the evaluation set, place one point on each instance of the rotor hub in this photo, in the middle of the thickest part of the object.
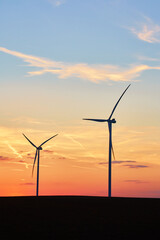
(112, 120)
(39, 148)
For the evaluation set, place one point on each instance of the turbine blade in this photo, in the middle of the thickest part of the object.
(111, 144)
(48, 140)
(113, 153)
(34, 162)
(29, 141)
(96, 120)
(118, 101)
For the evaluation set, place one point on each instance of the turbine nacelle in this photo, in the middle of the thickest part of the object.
(112, 120)
(39, 148)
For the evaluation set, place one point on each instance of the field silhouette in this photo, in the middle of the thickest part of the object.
(79, 217)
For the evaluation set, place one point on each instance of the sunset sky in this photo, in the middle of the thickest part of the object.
(64, 60)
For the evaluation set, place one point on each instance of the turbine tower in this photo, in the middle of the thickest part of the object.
(110, 122)
(37, 157)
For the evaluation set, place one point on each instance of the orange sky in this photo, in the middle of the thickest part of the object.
(76, 163)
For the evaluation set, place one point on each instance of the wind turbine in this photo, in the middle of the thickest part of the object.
(110, 122)
(37, 157)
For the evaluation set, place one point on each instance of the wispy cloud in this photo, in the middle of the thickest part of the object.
(130, 164)
(92, 72)
(149, 59)
(69, 136)
(27, 184)
(11, 161)
(22, 162)
(147, 31)
(117, 162)
(2, 158)
(56, 3)
(14, 150)
(48, 151)
(136, 166)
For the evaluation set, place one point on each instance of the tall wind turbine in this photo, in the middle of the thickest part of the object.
(110, 122)
(37, 157)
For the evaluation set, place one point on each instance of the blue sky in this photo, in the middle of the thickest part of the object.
(76, 31)
(94, 33)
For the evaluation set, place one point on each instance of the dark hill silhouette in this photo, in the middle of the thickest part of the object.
(76, 217)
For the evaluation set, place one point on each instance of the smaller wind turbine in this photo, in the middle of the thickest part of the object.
(110, 121)
(37, 157)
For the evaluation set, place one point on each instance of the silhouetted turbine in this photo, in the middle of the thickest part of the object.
(111, 151)
(37, 156)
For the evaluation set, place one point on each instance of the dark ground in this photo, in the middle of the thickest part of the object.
(74, 217)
